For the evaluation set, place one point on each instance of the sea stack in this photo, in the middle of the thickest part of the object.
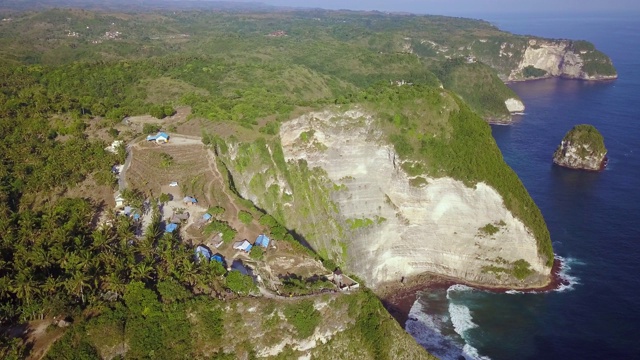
(582, 148)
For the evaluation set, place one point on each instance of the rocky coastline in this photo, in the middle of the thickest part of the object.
(399, 297)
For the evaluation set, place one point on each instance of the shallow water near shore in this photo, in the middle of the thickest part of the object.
(594, 218)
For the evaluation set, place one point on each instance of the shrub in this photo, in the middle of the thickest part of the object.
(245, 217)
(489, 229)
(304, 317)
(150, 128)
(257, 253)
(166, 160)
(239, 283)
(531, 71)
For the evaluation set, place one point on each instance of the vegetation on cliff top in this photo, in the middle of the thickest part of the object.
(478, 85)
(595, 62)
(586, 139)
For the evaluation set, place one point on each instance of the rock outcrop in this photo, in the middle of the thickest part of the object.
(514, 105)
(582, 148)
(356, 204)
(562, 58)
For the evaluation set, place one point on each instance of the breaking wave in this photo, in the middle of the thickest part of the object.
(444, 335)
(568, 281)
(462, 322)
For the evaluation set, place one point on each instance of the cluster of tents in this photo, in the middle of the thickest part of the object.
(246, 246)
(203, 252)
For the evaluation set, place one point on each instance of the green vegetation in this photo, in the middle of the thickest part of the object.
(521, 269)
(303, 316)
(166, 160)
(245, 217)
(216, 210)
(533, 72)
(239, 283)
(478, 85)
(150, 128)
(595, 62)
(296, 285)
(219, 226)
(256, 253)
(489, 229)
(587, 140)
(355, 224)
(160, 112)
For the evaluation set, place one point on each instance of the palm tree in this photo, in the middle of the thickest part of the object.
(77, 283)
(142, 271)
(24, 286)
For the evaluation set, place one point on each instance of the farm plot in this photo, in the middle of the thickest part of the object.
(153, 166)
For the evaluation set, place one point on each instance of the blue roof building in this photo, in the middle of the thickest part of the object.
(218, 258)
(202, 253)
(159, 137)
(263, 241)
(171, 228)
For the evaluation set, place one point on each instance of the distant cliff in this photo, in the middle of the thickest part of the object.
(563, 58)
(582, 148)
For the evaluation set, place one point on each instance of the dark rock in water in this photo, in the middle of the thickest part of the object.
(582, 148)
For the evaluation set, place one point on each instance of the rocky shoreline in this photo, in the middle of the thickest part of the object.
(399, 297)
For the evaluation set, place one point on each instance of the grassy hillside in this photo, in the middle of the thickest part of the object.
(152, 324)
(477, 85)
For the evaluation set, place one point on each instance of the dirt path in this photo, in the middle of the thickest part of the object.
(122, 177)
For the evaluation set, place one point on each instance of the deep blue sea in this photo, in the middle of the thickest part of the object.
(594, 218)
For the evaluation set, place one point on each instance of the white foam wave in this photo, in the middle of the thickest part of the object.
(458, 287)
(471, 353)
(461, 318)
(462, 321)
(514, 292)
(426, 329)
(568, 281)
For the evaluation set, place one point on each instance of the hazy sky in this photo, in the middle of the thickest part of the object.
(453, 7)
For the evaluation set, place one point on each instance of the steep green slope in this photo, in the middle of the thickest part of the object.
(477, 85)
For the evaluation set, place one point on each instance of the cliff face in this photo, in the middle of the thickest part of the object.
(562, 58)
(582, 148)
(346, 193)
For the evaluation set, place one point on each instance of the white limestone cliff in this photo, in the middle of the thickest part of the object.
(514, 105)
(412, 225)
(557, 58)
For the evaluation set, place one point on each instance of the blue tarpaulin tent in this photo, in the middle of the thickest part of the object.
(263, 241)
(136, 216)
(218, 258)
(171, 228)
(207, 216)
(202, 252)
(161, 136)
